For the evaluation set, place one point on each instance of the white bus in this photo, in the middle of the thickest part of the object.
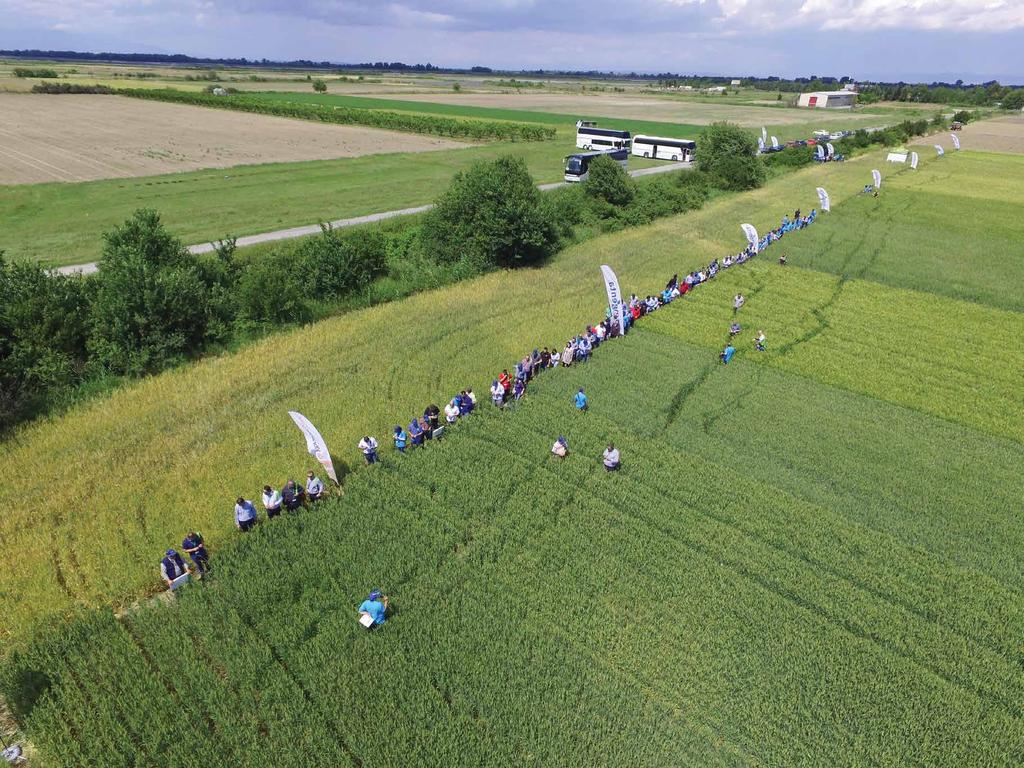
(658, 148)
(589, 136)
(577, 167)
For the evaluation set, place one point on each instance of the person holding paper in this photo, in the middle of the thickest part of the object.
(271, 502)
(611, 458)
(368, 445)
(375, 607)
(172, 567)
(194, 545)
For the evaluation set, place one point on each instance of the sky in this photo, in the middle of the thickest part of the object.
(913, 40)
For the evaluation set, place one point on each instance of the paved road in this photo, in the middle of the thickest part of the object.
(312, 229)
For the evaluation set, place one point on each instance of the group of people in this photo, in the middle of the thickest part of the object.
(507, 387)
(291, 498)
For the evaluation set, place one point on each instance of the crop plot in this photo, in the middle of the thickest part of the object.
(81, 138)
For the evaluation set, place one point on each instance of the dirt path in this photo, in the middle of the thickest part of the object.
(312, 229)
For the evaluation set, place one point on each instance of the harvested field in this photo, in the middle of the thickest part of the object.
(1003, 134)
(82, 138)
(690, 109)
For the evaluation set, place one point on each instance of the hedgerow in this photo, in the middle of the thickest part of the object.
(432, 125)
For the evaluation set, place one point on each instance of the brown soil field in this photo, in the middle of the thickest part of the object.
(81, 138)
(1001, 134)
(693, 110)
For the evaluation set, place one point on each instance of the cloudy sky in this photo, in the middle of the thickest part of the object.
(869, 39)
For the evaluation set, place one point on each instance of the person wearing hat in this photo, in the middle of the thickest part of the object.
(561, 447)
(376, 606)
(401, 438)
(172, 567)
(195, 547)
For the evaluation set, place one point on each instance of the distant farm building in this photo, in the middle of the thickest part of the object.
(827, 99)
(735, 82)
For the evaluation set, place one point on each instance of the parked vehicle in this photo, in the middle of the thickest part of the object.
(658, 148)
(577, 167)
(589, 136)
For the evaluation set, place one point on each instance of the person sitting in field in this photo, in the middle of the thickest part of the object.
(401, 438)
(796, 216)
(583, 348)
(376, 607)
(416, 434)
(561, 447)
(782, 260)
(556, 357)
(293, 496)
(472, 399)
(433, 416)
(759, 341)
(601, 331)
(519, 389)
(672, 283)
(734, 329)
(610, 458)
(245, 514)
(451, 411)
(368, 445)
(271, 502)
(314, 487)
(545, 358)
(868, 189)
(737, 302)
(536, 362)
(581, 400)
(497, 394)
(172, 567)
(727, 353)
(727, 262)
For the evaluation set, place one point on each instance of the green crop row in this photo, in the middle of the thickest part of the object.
(434, 125)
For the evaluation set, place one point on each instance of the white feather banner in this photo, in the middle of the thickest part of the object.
(823, 199)
(751, 233)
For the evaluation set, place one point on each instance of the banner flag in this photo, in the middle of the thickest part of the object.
(913, 160)
(775, 143)
(821, 152)
(751, 233)
(831, 150)
(956, 140)
(764, 134)
(315, 443)
(611, 284)
(877, 178)
(760, 144)
(823, 199)
(939, 150)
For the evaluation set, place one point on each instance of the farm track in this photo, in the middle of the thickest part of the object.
(311, 229)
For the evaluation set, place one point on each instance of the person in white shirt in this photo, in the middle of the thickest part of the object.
(271, 501)
(561, 447)
(314, 487)
(737, 302)
(497, 393)
(472, 397)
(611, 458)
(451, 412)
(368, 445)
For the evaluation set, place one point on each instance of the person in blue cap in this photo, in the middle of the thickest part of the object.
(727, 353)
(376, 606)
(400, 439)
(172, 567)
(561, 447)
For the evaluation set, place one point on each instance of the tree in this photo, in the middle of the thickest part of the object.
(456, 87)
(727, 153)
(151, 305)
(1014, 99)
(491, 214)
(608, 181)
(319, 86)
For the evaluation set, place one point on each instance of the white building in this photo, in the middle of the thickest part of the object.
(735, 82)
(828, 99)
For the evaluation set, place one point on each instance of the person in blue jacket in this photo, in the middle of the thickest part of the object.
(376, 605)
(416, 432)
(400, 438)
(727, 353)
(581, 400)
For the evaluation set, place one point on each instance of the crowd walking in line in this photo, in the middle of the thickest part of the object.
(507, 388)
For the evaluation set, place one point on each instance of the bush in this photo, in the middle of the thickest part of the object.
(790, 157)
(1014, 100)
(727, 153)
(271, 292)
(319, 86)
(40, 73)
(151, 306)
(491, 215)
(334, 264)
(608, 181)
(43, 332)
(70, 88)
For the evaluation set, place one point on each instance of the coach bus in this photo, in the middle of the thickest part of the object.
(658, 148)
(577, 166)
(589, 136)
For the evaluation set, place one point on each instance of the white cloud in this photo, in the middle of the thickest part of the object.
(948, 15)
